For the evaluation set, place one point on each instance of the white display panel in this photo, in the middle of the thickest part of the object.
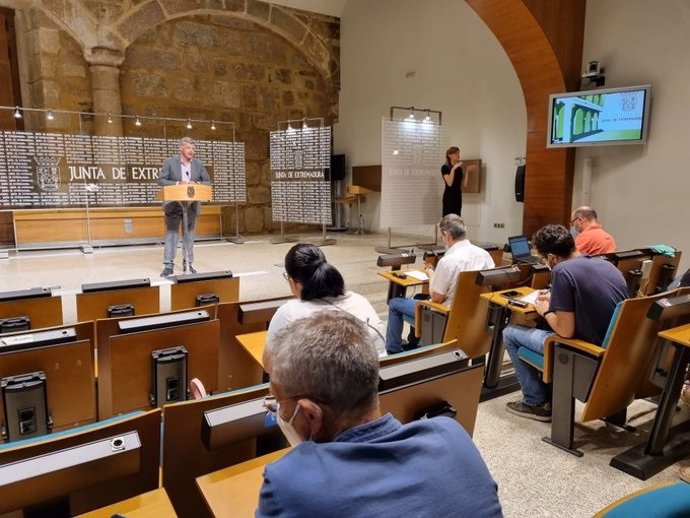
(55, 169)
(411, 185)
(299, 190)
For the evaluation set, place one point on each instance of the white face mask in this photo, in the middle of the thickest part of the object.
(573, 231)
(288, 429)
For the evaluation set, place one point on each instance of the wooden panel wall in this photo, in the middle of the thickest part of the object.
(543, 40)
(9, 71)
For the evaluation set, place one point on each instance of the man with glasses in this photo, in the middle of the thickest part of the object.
(590, 237)
(347, 459)
(584, 292)
(461, 256)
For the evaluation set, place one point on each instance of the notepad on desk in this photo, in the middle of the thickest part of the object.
(416, 274)
(530, 298)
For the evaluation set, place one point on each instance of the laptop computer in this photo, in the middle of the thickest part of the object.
(520, 250)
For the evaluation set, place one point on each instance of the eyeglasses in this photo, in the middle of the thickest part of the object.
(574, 220)
(286, 276)
(271, 404)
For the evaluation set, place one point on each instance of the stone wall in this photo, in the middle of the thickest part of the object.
(56, 75)
(221, 68)
(242, 61)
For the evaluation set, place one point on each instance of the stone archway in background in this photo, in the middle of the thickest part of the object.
(106, 31)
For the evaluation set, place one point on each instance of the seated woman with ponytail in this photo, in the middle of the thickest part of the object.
(318, 286)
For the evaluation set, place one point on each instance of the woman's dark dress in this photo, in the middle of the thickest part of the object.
(452, 196)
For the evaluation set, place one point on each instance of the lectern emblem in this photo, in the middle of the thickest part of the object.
(190, 192)
(48, 172)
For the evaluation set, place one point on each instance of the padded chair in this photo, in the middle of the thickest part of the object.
(464, 321)
(607, 377)
(663, 500)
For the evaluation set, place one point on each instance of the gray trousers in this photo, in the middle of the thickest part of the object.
(173, 221)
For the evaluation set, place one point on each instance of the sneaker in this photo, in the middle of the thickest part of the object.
(191, 268)
(536, 412)
(167, 271)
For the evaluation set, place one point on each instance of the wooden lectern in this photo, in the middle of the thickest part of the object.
(185, 194)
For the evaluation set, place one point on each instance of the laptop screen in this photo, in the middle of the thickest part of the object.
(519, 246)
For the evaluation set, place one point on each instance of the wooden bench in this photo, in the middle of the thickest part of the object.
(43, 311)
(237, 368)
(93, 305)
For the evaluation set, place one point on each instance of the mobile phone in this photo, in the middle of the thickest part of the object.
(518, 303)
(510, 294)
(399, 275)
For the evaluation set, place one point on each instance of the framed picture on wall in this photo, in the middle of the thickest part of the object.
(473, 169)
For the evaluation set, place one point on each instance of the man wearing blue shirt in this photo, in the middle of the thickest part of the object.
(348, 460)
(584, 292)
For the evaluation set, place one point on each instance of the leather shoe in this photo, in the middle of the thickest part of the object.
(167, 271)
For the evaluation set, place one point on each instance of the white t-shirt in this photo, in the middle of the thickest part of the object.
(461, 257)
(352, 303)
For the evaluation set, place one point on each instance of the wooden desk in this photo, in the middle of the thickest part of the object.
(148, 505)
(254, 344)
(499, 313)
(664, 445)
(397, 287)
(234, 491)
(496, 297)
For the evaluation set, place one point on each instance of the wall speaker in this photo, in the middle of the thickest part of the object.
(520, 183)
(337, 170)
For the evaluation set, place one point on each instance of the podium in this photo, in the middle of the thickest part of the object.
(185, 194)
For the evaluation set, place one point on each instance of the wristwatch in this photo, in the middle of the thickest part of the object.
(547, 313)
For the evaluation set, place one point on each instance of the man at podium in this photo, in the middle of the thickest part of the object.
(178, 170)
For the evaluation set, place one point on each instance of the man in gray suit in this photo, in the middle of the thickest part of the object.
(180, 170)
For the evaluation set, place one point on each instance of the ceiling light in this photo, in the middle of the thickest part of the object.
(213, 125)
(17, 113)
(137, 122)
(110, 119)
(189, 124)
(50, 115)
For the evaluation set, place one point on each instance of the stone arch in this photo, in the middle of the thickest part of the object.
(118, 32)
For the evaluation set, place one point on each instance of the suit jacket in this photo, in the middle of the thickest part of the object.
(171, 173)
(427, 469)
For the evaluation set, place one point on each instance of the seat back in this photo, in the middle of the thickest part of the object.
(467, 317)
(415, 354)
(628, 358)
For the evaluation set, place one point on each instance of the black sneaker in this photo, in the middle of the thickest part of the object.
(537, 412)
(191, 269)
(167, 271)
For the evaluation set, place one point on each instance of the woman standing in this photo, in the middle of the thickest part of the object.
(455, 181)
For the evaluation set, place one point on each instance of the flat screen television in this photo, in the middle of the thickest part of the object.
(599, 117)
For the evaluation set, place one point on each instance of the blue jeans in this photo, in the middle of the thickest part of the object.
(397, 308)
(534, 390)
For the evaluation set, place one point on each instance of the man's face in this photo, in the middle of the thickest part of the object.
(187, 151)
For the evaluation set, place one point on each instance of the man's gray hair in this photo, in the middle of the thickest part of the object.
(453, 225)
(187, 140)
(328, 357)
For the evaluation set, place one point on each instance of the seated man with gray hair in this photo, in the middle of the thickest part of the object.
(443, 280)
(347, 460)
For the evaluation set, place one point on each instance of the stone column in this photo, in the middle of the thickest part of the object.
(104, 68)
